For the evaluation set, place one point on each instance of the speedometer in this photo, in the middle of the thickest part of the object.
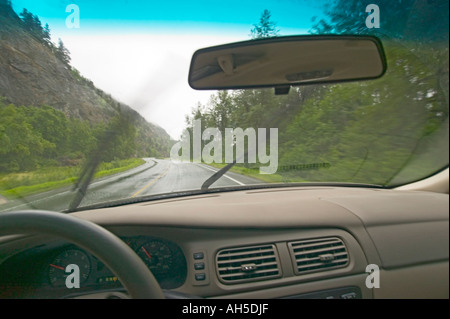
(57, 267)
(158, 258)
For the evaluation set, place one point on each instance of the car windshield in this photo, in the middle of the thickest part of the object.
(96, 108)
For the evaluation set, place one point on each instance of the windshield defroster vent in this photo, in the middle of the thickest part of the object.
(245, 264)
(318, 254)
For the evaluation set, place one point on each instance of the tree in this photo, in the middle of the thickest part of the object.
(46, 32)
(33, 24)
(62, 52)
(6, 9)
(5, 3)
(266, 28)
(397, 22)
(21, 144)
(27, 18)
(37, 25)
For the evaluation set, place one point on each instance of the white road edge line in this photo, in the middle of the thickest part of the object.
(225, 175)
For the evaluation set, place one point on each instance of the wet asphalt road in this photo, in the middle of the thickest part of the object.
(156, 176)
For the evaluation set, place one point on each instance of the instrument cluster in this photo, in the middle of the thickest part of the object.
(60, 267)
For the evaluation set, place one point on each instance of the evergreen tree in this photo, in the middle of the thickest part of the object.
(62, 52)
(27, 18)
(266, 28)
(349, 17)
(46, 32)
(5, 3)
(36, 24)
(33, 24)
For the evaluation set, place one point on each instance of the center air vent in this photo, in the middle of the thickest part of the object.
(318, 254)
(244, 264)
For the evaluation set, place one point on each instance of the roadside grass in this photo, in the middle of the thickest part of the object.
(17, 185)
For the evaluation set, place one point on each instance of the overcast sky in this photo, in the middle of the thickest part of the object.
(140, 51)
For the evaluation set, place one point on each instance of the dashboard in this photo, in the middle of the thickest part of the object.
(273, 243)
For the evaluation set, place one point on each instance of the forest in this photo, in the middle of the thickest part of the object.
(33, 137)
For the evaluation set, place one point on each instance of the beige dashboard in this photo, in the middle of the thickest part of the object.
(299, 242)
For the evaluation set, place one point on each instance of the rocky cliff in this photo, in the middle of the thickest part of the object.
(31, 74)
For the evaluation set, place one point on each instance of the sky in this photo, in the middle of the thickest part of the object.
(139, 51)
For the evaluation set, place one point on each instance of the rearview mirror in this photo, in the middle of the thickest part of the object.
(282, 62)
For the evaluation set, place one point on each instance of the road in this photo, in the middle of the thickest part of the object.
(154, 177)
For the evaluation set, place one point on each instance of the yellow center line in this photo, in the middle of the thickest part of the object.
(152, 182)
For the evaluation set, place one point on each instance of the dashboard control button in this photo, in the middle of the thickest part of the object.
(199, 266)
(199, 255)
(200, 277)
(350, 295)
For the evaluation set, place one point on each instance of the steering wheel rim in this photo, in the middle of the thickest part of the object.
(107, 247)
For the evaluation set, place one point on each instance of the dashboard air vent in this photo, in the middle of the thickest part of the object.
(318, 254)
(244, 264)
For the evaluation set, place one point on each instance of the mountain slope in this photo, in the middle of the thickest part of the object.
(31, 74)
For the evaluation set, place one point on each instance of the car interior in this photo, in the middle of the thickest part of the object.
(313, 239)
(204, 242)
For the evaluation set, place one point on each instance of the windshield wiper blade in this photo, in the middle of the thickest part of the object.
(217, 175)
(83, 182)
(117, 127)
(221, 172)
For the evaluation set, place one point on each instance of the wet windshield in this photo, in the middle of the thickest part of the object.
(95, 105)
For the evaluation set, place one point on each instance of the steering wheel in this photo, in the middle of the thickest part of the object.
(107, 247)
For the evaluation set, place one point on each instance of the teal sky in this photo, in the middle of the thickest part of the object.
(291, 16)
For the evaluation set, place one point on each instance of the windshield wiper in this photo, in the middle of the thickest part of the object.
(217, 175)
(117, 127)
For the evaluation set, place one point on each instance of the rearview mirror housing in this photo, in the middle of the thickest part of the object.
(282, 62)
